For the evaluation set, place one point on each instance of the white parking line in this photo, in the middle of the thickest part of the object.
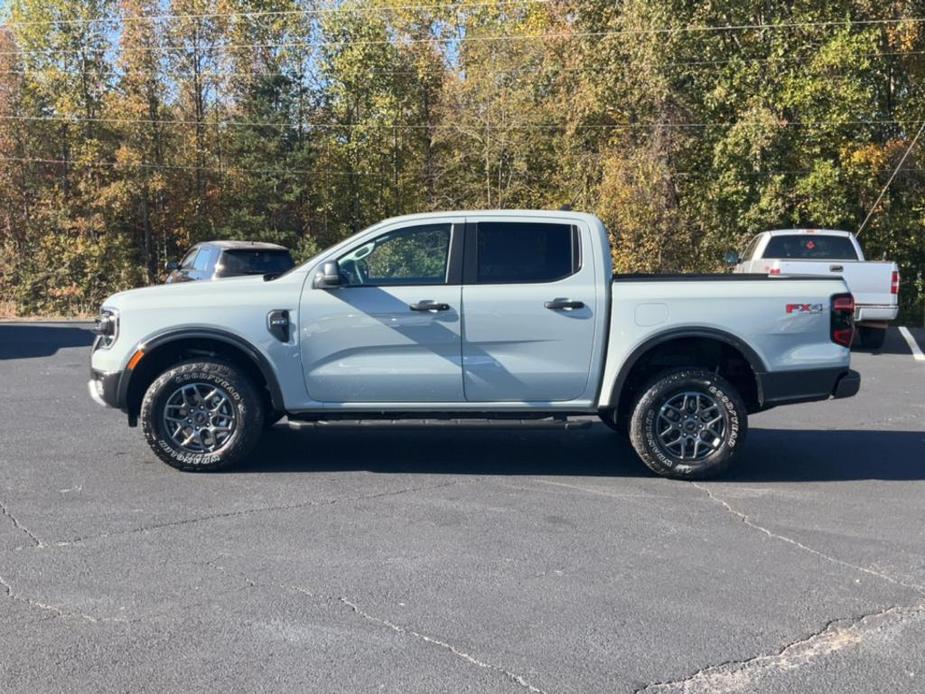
(907, 336)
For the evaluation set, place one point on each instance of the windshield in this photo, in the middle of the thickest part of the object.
(810, 247)
(254, 262)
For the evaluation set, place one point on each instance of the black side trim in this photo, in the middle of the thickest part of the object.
(754, 361)
(471, 255)
(807, 385)
(719, 277)
(454, 273)
(576, 250)
(161, 339)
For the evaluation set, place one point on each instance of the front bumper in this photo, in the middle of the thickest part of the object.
(807, 385)
(104, 388)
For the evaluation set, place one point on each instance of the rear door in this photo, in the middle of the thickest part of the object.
(529, 306)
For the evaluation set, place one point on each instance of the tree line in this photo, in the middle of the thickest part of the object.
(131, 129)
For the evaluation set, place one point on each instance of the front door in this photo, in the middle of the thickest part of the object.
(391, 332)
(530, 306)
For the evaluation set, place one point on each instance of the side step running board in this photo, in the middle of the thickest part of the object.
(560, 424)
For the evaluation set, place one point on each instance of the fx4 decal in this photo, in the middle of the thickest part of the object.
(804, 308)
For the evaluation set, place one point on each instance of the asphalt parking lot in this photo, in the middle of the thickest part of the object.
(438, 560)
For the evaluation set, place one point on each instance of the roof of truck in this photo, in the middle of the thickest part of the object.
(545, 214)
(830, 232)
(245, 245)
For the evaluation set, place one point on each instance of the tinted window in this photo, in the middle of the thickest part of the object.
(524, 252)
(415, 255)
(256, 262)
(810, 247)
(206, 258)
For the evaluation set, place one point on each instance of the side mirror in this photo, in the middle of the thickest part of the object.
(171, 266)
(731, 258)
(328, 277)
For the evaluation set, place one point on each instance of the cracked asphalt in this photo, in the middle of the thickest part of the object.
(432, 560)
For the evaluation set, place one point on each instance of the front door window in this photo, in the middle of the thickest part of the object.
(412, 256)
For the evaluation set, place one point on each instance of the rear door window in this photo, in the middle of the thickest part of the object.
(810, 247)
(525, 252)
(255, 262)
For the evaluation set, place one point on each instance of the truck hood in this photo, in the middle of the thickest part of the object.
(190, 294)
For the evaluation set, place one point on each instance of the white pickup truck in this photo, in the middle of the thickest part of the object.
(824, 252)
(482, 315)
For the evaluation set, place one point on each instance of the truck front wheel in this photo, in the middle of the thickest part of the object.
(202, 415)
(688, 424)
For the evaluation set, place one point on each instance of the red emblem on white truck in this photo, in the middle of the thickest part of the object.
(804, 308)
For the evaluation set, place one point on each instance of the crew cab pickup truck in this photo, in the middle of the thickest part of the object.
(480, 315)
(824, 252)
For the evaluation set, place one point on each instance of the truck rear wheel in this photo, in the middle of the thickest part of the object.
(688, 424)
(202, 415)
(871, 338)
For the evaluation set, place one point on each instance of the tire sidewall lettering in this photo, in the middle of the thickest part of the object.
(645, 419)
(240, 392)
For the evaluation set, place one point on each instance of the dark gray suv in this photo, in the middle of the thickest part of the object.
(212, 260)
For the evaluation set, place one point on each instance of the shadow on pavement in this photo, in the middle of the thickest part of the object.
(24, 341)
(771, 455)
(893, 344)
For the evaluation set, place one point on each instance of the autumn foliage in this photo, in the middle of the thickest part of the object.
(130, 130)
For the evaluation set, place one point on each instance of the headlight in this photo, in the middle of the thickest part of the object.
(106, 328)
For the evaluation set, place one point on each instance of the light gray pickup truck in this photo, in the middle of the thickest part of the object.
(481, 315)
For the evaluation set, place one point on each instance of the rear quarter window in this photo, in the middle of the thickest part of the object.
(810, 247)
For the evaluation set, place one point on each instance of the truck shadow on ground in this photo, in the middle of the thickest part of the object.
(24, 341)
(771, 455)
(893, 344)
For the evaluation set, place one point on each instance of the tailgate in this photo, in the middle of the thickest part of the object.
(869, 282)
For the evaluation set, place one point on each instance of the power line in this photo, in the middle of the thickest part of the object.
(463, 39)
(892, 176)
(558, 68)
(316, 172)
(442, 126)
(184, 167)
(277, 13)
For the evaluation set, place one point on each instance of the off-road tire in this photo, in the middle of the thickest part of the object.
(871, 338)
(245, 399)
(660, 390)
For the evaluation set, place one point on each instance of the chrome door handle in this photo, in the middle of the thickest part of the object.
(429, 306)
(564, 304)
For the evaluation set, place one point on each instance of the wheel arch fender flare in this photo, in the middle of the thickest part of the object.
(162, 339)
(614, 389)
